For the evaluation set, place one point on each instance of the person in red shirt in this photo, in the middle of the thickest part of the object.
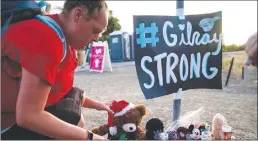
(32, 51)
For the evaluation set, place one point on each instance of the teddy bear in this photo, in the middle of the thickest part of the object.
(217, 122)
(124, 123)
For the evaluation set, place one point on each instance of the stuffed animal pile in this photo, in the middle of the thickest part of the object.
(193, 132)
(125, 125)
(201, 131)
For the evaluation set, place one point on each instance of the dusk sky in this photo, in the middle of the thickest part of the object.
(239, 17)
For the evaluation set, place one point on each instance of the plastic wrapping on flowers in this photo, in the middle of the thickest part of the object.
(192, 117)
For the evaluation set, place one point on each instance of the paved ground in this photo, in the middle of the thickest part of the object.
(237, 102)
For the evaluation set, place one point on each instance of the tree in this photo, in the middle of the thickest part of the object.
(113, 25)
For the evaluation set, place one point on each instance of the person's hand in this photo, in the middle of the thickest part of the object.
(105, 106)
(251, 48)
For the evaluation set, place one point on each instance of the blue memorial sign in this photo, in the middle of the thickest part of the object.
(172, 53)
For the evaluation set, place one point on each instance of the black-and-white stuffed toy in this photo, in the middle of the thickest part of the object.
(195, 132)
(155, 130)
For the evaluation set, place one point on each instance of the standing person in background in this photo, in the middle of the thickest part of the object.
(35, 107)
(251, 49)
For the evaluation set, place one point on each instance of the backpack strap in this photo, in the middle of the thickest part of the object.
(51, 23)
(16, 6)
(6, 24)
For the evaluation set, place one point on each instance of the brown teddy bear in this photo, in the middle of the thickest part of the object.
(124, 124)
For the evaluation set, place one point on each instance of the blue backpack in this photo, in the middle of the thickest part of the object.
(13, 11)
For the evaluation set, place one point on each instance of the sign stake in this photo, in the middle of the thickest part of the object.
(178, 96)
(230, 69)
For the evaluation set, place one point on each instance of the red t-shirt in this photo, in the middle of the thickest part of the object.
(35, 46)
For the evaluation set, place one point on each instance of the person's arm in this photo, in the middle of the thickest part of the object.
(40, 60)
(251, 48)
(90, 103)
(30, 112)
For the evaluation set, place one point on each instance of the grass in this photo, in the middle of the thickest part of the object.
(233, 47)
(238, 63)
